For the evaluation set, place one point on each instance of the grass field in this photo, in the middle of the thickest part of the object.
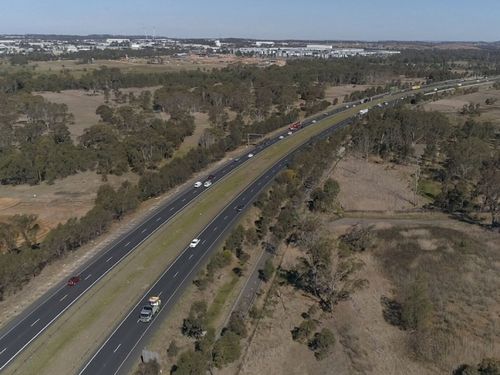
(133, 65)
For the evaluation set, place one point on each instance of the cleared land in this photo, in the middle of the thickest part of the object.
(453, 105)
(375, 186)
(142, 65)
(70, 197)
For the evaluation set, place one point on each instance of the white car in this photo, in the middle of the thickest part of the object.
(194, 242)
(289, 133)
(207, 183)
(314, 121)
(281, 136)
(250, 155)
(197, 184)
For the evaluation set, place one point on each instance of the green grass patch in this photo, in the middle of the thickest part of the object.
(429, 188)
(220, 299)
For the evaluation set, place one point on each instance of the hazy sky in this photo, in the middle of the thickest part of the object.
(261, 19)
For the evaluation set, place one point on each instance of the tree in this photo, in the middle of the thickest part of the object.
(173, 349)
(27, 226)
(322, 343)
(227, 349)
(304, 330)
(8, 237)
(196, 323)
(488, 188)
(267, 272)
(237, 324)
(105, 112)
(191, 363)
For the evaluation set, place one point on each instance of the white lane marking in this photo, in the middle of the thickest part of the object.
(145, 229)
(63, 298)
(191, 256)
(158, 218)
(215, 229)
(88, 277)
(107, 260)
(225, 217)
(204, 242)
(176, 274)
(184, 199)
(171, 209)
(4, 349)
(118, 347)
(251, 191)
(128, 243)
(35, 322)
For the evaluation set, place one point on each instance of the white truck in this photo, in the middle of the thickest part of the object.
(363, 111)
(148, 311)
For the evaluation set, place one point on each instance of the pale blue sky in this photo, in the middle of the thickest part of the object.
(261, 19)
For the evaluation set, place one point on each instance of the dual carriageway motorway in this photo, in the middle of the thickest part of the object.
(123, 346)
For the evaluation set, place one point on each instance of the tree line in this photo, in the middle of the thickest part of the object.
(464, 160)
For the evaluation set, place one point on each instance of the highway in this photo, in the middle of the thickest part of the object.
(117, 349)
(17, 335)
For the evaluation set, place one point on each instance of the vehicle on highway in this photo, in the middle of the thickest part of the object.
(281, 136)
(250, 155)
(236, 160)
(194, 242)
(210, 177)
(240, 208)
(207, 183)
(197, 184)
(73, 280)
(290, 133)
(313, 121)
(148, 311)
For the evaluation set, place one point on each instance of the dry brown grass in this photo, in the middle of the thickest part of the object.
(462, 270)
(454, 104)
(370, 185)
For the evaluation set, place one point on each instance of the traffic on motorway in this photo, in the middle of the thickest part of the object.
(28, 326)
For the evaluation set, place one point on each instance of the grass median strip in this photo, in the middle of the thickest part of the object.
(64, 347)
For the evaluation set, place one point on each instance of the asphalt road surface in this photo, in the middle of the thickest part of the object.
(19, 333)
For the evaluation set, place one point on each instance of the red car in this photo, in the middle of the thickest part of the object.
(74, 280)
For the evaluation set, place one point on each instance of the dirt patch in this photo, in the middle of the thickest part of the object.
(369, 186)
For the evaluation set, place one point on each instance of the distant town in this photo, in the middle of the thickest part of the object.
(66, 45)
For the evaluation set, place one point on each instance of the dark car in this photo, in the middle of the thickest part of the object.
(73, 280)
(240, 208)
(210, 177)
